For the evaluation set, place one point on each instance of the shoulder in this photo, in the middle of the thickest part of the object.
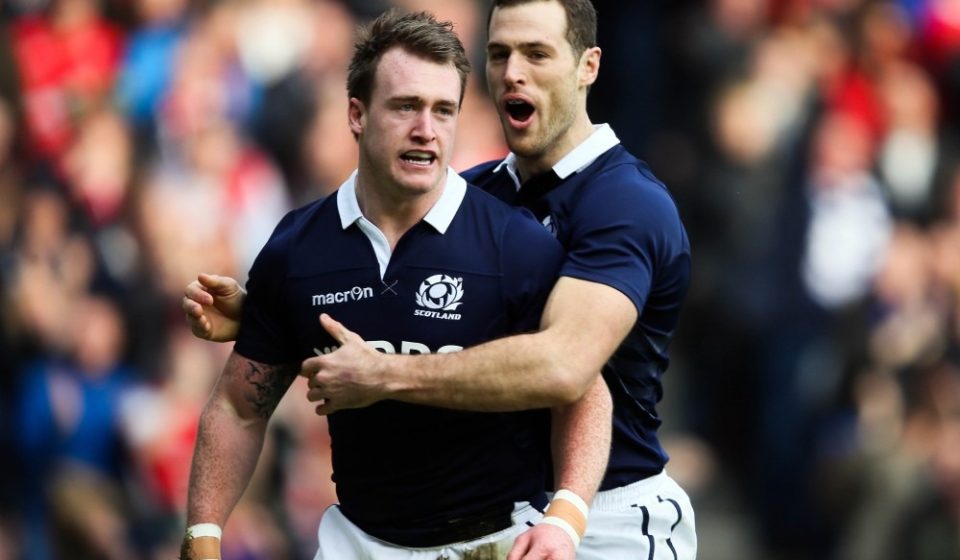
(294, 226)
(624, 185)
(298, 221)
(481, 171)
(492, 178)
(304, 216)
(619, 173)
(483, 202)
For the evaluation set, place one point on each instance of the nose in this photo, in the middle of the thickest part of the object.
(423, 127)
(513, 70)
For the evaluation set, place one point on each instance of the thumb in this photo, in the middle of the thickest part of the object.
(325, 408)
(520, 547)
(219, 285)
(309, 367)
(334, 328)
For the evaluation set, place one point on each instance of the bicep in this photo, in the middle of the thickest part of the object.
(253, 389)
(587, 320)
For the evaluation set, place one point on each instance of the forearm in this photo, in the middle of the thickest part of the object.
(231, 434)
(224, 459)
(515, 373)
(580, 445)
(580, 441)
(551, 367)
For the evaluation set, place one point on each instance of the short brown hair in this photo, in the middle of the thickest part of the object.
(418, 33)
(581, 21)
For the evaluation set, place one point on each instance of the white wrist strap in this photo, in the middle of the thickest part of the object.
(569, 512)
(567, 528)
(205, 530)
(573, 498)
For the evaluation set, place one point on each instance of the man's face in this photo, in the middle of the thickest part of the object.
(533, 77)
(406, 132)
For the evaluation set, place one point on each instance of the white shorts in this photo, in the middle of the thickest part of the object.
(648, 520)
(340, 539)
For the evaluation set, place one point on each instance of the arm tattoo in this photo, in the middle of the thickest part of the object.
(269, 383)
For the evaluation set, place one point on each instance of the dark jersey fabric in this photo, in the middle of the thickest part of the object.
(402, 468)
(620, 227)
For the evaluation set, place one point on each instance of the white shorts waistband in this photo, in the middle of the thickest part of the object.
(625, 496)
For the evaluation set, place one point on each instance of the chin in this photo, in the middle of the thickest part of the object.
(421, 184)
(524, 146)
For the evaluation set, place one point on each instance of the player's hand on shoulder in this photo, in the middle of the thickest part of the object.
(349, 377)
(212, 305)
(543, 542)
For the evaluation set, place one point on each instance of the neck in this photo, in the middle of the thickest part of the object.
(393, 211)
(533, 165)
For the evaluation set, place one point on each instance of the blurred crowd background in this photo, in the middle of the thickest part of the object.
(813, 146)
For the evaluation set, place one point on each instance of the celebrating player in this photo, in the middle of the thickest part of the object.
(615, 306)
(414, 259)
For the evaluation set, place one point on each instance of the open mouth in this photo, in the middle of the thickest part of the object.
(519, 110)
(416, 157)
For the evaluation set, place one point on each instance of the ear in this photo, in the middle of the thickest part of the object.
(356, 112)
(589, 66)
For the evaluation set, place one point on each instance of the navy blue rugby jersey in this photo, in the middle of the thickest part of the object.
(458, 278)
(620, 227)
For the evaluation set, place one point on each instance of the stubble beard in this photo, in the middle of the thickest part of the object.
(536, 146)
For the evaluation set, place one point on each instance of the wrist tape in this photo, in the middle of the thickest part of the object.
(567, 511)
(203, 541)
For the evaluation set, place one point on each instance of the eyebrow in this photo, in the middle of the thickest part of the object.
(418, 99)
(406, 99)
(522, 46)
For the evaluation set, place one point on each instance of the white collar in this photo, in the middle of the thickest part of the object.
(439, 216)
(600, 140)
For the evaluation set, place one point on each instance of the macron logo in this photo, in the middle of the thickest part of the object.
(355, 293)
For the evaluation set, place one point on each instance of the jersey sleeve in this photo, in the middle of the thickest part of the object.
(625, 230)
(531, 265)
(264, 327)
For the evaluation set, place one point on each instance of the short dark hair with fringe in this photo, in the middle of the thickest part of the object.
(418, 33)
(581, 20)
